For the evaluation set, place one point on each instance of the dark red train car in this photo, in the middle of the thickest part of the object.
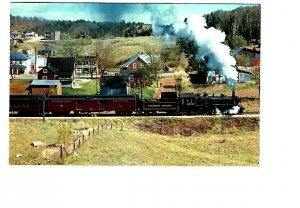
(26, 104)
(90, 103)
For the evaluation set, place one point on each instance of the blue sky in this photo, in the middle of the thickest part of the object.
(110, 12)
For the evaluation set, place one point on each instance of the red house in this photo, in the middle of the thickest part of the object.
(48, 73)
(133, 68)
(253, 54)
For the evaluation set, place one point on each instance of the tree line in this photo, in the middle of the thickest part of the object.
(80, 28)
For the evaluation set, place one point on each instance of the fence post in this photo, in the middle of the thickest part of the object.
(222, 126)
(74, 146)
(61, 151)
(93, 131)
(89, 133)
(79, 143)
(121, 126)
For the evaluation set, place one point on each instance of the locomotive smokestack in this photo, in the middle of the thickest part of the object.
(233, 93)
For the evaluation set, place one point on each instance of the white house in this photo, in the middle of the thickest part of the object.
(19, 63)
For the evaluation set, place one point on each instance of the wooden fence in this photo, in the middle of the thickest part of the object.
(66, 150)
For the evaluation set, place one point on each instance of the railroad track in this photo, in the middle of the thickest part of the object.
(134, 115)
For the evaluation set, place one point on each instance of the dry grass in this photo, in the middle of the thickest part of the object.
(237, 144)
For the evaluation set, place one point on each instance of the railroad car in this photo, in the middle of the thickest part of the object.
(120, 104)
(26, 104)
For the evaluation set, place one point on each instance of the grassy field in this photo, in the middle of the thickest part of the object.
(124, 48)
(180, 141)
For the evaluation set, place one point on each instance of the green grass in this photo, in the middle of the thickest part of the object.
(87, 88)
(21, 81)
(238, 145)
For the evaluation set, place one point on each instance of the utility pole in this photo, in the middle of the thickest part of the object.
(35, 60)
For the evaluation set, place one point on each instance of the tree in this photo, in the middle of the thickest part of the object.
(236, 41)
(105, 56)
(71, 49)
(64, 132)
(242, 60)
(182, 79)
(154, 65)
(256, 78)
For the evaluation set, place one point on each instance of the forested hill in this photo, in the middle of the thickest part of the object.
(241, 24)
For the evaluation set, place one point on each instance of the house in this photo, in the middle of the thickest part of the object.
(253, 54)
(30, 34)
(19, 63)
(38, 61)
(86, 66)
(51, 87)
(48, 73)
(56, 35)
(244, 75)
(63, 67)
(48, 51)
(113, 85)
(47, 35)
(133, 68)
(206, 75)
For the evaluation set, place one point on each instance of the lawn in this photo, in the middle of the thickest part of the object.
(180, 141)
(87, 87)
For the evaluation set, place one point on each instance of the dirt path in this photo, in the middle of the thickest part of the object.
(35, 39)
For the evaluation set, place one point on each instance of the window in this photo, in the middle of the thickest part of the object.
(134, 65)
(142, 65)
(44, 77)
(45, 71)
(131, 77)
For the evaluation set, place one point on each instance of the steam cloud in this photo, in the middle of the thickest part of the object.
(209, 40)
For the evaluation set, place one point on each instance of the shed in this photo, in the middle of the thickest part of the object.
(51, 87)
(113, 85)
(244, 75)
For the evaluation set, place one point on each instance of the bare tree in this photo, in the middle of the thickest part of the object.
(105, 56)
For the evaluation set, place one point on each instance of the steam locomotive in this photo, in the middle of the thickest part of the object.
(170, 103)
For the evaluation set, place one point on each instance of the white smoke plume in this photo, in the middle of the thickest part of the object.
(209, 40)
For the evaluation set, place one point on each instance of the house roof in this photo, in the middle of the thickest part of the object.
(17, 56)
(39, 82)
(142, 57)
(51, 68)
(243, 69)
(131, 60)
(239, 49)
(20, 66)
(236, 51)
(64, 65)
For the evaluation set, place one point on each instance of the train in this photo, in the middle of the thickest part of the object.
(169, 103)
